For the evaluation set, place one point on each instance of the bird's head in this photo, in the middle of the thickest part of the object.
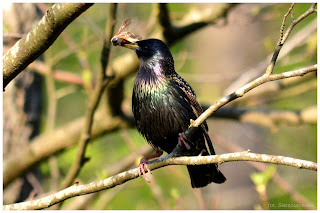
(147, 50)
(154, 54)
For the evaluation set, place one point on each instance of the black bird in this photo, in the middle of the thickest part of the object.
(163, 104)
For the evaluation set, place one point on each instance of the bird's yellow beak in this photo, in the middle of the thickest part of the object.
(127, 42)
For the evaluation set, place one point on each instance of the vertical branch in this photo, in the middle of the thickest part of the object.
(93, 103)
(52, 103)
(284, 23)
(283, 37)
(115, 92)
(165, 22)
(51, 118)
(82, 59)
(109, 33)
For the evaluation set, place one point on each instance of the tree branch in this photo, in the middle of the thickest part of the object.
(51, 119)
(172, 33)
(269, 118)
(48, 144)
(124, 164)
(298, 39)
(38, 40)
(243, 90)
(45, 145)
(123, 177)
(275, 90)
(59, 75)
(94, 101)
(284, 37)
(268, 76)
(282, 184)
(123, 70)
(64, 137)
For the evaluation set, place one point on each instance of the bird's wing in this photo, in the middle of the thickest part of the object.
(197, 109)
(192, 99)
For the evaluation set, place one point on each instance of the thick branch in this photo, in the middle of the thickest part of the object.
(123, 177)
(40, 38)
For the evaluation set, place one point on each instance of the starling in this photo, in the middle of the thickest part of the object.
(163, 104)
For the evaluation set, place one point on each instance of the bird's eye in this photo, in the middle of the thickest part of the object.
(115, 41)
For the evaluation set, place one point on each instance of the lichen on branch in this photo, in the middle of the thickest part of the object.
(40, 38)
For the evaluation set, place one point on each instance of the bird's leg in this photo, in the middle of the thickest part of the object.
(144, 163)
(183, 140)
(142, 166)
(201, 153)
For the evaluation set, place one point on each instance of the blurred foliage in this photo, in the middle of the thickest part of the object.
(112, 148)
(261, 179)
(86, 32)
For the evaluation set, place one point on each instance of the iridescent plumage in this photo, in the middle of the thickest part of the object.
(163, 104)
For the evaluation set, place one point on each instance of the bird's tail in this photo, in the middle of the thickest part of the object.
(202, 175)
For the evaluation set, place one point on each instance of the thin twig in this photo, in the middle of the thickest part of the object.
(278, 89)
(284, 37)
(32, 179)
(284, 23)
(59, 75)
(94, 101)
(119, 179)
(280, 95)
(243, 90)
(298, 39)
(51, 119)
(299, 19)
(74, 48)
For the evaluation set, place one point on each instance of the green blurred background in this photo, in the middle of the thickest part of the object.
(210, 59)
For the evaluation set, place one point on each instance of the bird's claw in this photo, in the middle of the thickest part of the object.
(142, 166)
(182, 140)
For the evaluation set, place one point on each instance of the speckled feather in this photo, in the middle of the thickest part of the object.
(163, 104)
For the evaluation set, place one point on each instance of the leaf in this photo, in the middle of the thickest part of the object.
(261, 179)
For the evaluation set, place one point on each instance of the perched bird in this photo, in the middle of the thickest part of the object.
(163, 104)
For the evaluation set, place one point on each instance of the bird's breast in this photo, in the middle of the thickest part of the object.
(160, 111)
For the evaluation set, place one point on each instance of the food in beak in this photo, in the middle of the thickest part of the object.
(124, 37)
